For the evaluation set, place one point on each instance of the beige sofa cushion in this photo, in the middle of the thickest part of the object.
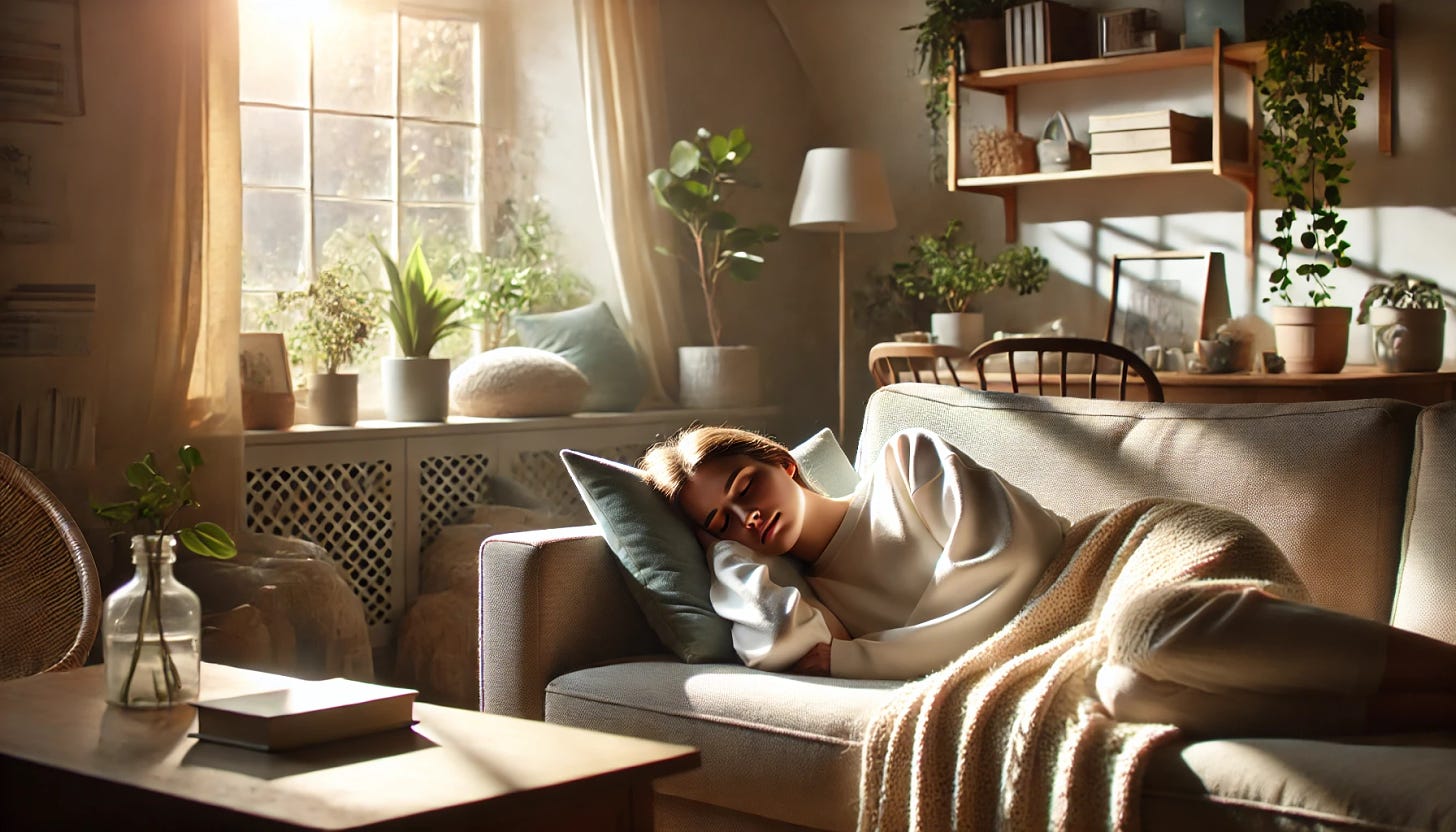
(1428, 572)
(1326, 480)
(788, 746)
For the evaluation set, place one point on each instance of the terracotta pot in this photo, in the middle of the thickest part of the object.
(984, 41)
(1408, 340)
(718, 376)
(1312, 339)
(267, 411)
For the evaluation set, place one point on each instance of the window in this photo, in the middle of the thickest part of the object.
(356, 121)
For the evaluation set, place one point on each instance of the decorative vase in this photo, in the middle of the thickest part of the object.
(984, 42)
(151, 629)
(416, 389)
(1312, 339)
(718, 376)
(963, 330)
(1407, 340)
(333, 398)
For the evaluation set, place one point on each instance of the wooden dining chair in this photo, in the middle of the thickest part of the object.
(50, 598)
(1063, 348)
(893, 361)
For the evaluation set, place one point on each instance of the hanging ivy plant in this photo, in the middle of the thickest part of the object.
(937, 46)
(1315, 75)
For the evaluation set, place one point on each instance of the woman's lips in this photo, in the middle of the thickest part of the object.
(769, 528)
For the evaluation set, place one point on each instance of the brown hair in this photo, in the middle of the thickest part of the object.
(671, 463)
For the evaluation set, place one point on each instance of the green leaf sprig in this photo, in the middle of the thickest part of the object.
(159, 500)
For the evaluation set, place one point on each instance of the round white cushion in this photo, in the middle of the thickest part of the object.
(517, 381)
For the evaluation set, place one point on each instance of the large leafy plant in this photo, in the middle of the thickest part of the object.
(1314, 77)
(938, 46)
(952, 274)
(695, 187)
(338, 321)
(420, 310)
(152, 513)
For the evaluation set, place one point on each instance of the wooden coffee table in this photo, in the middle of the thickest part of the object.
(68, 760)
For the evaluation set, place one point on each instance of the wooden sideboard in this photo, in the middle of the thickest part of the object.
(1355, 382)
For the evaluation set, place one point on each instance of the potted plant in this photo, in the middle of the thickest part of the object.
(151, 626)
(968, 33)
(1314, 77)
(1407, 317)
(954, 276)
(416, 386)
(522, 274)
(338, 321)
(694, 188)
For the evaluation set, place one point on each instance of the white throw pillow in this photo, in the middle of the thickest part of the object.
(517, 381)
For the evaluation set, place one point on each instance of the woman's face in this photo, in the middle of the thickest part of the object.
(742, 499)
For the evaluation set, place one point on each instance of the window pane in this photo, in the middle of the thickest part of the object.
(437, 67)
(437, 163)
(341, 234)
(261, 314)
(446, 234)
(353, 156)
(273, 226)
(273, 147)
(353, 61)
(273, 52)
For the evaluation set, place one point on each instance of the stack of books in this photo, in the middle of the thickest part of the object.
(1148, 141)
(1046, 31)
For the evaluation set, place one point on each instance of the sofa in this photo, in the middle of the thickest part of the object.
(1358, 494)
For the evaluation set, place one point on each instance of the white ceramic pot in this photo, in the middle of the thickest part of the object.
(1407, 340)
(964, 330)
(333, 398)
(416, 389)
(718, 377)
(1312, 339)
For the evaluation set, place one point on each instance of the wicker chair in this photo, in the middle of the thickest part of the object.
(1064, 347)
(50, 599)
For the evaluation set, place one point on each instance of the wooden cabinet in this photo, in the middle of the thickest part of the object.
(1242, 172)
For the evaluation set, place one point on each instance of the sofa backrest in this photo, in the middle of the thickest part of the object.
(1426, 595)
(1326, 480)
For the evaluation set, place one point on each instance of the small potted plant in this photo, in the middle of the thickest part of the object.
(416, 386)
(151, 626)
(339, 319)
(694, 188)
(1315, 75)
(954, 276)
(1407, 317)
(965, 33)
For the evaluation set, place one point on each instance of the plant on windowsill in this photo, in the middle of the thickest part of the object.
(416, 386)
(151, 626)
(1407, 317)
(953, 275)
(1315, 74)
(966, 33)
(339, 319)
(694, 187)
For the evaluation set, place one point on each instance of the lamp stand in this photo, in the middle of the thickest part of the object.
(842, 309)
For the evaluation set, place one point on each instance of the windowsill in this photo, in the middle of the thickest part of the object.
(465, 425)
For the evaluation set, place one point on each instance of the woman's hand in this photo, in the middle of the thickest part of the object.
(813, 663)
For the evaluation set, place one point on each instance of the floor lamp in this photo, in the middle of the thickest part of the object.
(842, 189)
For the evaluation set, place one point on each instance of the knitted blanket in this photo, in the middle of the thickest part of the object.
(1012, 735)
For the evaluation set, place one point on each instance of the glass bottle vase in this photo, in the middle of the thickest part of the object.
(151, 631)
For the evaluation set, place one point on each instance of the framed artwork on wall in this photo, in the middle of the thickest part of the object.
(1166, 300)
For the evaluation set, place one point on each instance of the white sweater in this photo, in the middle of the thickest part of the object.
(934, 554)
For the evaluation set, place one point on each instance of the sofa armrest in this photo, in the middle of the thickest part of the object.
(551, 601)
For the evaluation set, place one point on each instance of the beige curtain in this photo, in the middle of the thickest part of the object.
(170, 314)
(622, 81)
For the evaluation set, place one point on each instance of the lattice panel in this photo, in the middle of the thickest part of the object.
(344, 507)
(543, 474)
(448, 486)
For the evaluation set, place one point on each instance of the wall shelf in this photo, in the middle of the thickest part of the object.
(1242, 172)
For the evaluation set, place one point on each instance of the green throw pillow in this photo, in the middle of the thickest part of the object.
(588, 337)
(668, 570)
(824, 464)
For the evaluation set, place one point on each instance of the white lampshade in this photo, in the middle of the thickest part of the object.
(842, 187)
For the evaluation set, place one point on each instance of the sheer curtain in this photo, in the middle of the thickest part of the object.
(170, 325)
(621, 63)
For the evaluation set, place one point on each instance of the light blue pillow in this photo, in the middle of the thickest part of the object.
(825, 466)
(668, 571)
(588, 336)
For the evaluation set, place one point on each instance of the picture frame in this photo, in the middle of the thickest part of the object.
(1179, 299)
(263, 363)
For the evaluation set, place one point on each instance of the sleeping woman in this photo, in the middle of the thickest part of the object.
(932, 554)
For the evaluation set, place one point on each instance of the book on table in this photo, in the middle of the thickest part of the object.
(306, 713)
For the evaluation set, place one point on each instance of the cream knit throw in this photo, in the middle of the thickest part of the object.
(1011, 736)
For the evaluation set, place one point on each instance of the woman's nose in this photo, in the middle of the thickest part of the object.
(751, 518)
